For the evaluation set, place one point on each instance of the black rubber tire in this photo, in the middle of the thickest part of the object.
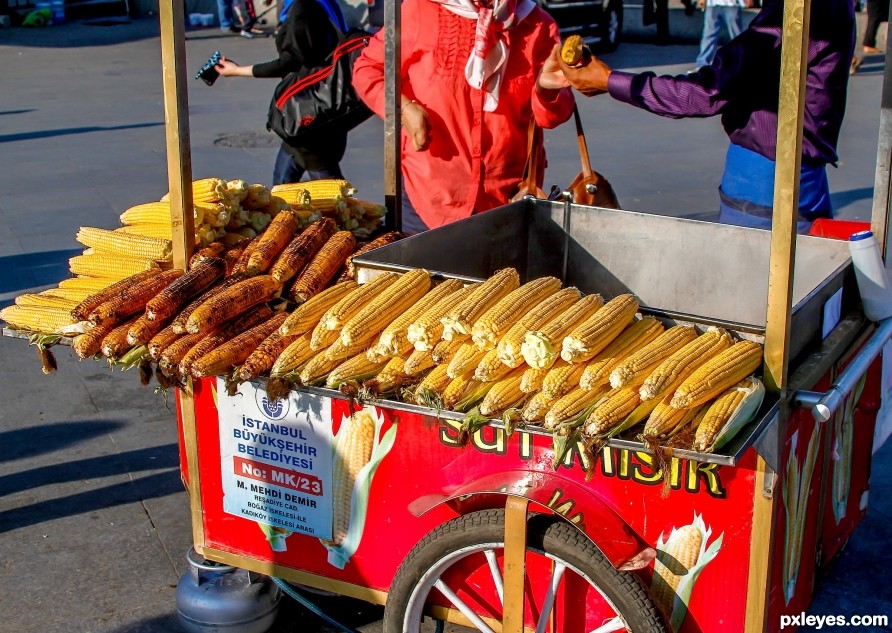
(544, 533)
(606, 45)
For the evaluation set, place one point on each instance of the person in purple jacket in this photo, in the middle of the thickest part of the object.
(742, 86)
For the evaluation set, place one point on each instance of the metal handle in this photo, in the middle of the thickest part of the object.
(824, 405)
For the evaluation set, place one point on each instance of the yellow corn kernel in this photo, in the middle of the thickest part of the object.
(157, 213)
(541, 348)
(292, 357)
(425, 332)
(683, 362)
(358, 368)
(718, 374)
(456, 389)
(125, 244)
(160, 231)
(86, 283)
(665, 419)
(321, 188)
(596, 333)
(465, 360)
(348, 307)
(391, 300)
(391, 377)
(394, 340)
(636, 368)
(510, 344)
(46, 301)
(36, 318)
(353, 451)
(537, 407)
(717, 415)
(490, 368)
(295, 196)
(681, 553)
(571, 405)
(317, 368)
(458, 322)
(110, 267)
(321, 338)
(418, 363)
(634, 337)
(306, 316)
(69, 294)
(495, 322)
(504, 394)
(561, 378)
(615, 408)
(434, 383)
(445, 351)
(532, 380)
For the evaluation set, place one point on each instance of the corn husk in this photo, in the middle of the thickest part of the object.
(744, 414)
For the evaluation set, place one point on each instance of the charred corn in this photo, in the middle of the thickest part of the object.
(233, 301)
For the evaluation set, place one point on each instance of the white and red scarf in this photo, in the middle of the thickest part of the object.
(488, 58)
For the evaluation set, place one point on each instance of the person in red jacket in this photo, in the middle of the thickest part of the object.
(470, 85)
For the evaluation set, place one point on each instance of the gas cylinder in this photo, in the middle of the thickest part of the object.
(215, 598)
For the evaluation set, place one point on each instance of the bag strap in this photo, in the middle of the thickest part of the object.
(534, 147)
(345, 48)
(583, 147)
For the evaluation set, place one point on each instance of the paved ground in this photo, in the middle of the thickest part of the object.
(94, 524)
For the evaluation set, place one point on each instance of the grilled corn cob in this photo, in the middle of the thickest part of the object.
(172, 298)
(179, 322)
(636, 368)
(85, 307)
(378, 242)
(126, 244)
(89, 343)
(142, 331)
(262, 359)
(133, 299)
(682, 363)
(302, 249)
(219, 338)
(161, 341)
(323, 266)
(571, 50)
(496, 321)
(236, 350)
(272, 242)
(541, 347)
(596, 333)
(235, 300)
(718, 374)
(458, 322)
(114, 344)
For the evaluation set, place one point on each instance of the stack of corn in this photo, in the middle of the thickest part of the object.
(335, 199)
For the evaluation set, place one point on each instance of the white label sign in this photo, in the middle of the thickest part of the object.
(277, 459)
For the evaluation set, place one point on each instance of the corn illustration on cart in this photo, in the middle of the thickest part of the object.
(392, 503)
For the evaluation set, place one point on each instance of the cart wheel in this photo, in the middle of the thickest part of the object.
(569, 583)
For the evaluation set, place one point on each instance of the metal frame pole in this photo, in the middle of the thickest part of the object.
(882, 188)
(393, 189)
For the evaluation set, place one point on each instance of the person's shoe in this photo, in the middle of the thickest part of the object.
(856, 64)
(251, 33)
(871, 50)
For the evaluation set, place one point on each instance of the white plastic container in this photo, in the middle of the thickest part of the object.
(873, 282)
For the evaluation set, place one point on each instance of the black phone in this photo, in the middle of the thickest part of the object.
(208, 73)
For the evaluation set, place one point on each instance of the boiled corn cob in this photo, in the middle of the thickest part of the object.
(392, 300)
(157, 231)
(257, 196)
(205, 190)
(353, 450)
(458, 322)
(418, 362)
(109, 266)
(317, 368)
(637, 367)
(504, 394)
(445, 351)
(94, 284)
(490, 368)
(682, 363)
(337, 316)
(391, 377)
(571, 406)
(596, 333)
(616, 407)
(541, 348)
(538, 406)
(394, 340)
(561, 378)
(358, 368)
(37, 318)
(426, 331)
(532, 380)
(307, 315)
(73, 295)
(157, 213)
(718, 374)
(465, 360)
(717, 415)
(294, 194)
(666, 419)
(510, 345)
(322, 188)
(46, 301)
(322, 338)
(125, 244)
(496, 321)
(457, 388)
(429, 391)
(633, 338)
(571, 50)
(681, 553)
(293, 356)
(474, 392)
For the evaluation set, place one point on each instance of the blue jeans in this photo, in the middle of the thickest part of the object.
(412, 223)
(713, 19)
(287, 170)
(224, 12)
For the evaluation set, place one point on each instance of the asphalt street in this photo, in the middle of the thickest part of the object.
(94, 523)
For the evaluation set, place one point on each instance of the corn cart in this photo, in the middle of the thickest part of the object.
(486, 530)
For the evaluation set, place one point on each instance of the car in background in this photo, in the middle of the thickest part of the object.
(599, 22)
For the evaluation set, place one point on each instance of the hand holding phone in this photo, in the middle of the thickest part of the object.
(208, 73)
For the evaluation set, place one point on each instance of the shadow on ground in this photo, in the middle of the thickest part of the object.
(30, 270)
(100, 32)
(66, 131)
(25, 443)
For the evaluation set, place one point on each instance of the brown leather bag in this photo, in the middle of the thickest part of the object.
(528, 186)
(589, 187)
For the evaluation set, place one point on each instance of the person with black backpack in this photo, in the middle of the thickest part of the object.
(308, 36)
